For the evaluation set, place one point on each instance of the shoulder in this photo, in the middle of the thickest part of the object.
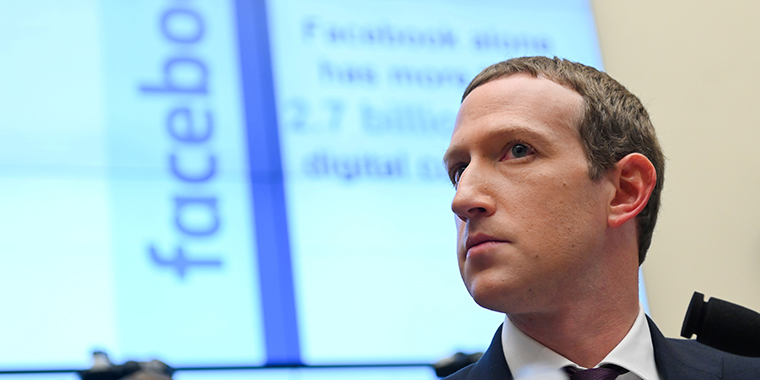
(689, 360)
(733, 366)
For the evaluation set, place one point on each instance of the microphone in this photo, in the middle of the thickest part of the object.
(723, 325)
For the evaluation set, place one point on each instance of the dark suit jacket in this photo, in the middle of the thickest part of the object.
(676, 359)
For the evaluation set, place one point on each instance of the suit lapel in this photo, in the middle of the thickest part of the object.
(492, 366)
(683, 360)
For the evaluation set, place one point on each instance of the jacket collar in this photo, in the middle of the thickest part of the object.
(676, 359)
(492, 365)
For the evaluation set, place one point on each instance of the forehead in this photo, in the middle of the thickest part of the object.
(519, 104)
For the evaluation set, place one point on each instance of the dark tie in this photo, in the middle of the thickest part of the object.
(608, 372)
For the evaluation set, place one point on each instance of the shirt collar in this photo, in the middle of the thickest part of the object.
(634, 353)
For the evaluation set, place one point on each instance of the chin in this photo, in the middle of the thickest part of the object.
(490, 296)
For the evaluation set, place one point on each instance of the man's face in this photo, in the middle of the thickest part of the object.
(530, 221)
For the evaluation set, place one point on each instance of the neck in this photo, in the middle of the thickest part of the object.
(584, 331)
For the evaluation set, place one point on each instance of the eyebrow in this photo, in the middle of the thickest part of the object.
(458, 152)
(451, 153)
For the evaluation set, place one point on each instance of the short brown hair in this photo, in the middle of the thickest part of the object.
(614, 122)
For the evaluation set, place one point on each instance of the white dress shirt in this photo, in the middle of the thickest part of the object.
(634, 353)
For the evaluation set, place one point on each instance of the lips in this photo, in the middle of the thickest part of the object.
(479, 239)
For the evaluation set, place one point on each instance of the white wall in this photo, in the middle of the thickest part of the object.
(696, 66)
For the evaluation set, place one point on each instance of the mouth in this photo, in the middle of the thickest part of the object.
(481, 239)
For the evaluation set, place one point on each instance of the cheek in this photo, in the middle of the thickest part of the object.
(559, 214)
(575, 221)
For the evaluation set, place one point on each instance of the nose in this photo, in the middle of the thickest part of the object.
(472, 198)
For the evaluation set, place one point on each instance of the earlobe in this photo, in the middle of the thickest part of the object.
(634, 177)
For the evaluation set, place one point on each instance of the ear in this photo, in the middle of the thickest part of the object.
(634, 178)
